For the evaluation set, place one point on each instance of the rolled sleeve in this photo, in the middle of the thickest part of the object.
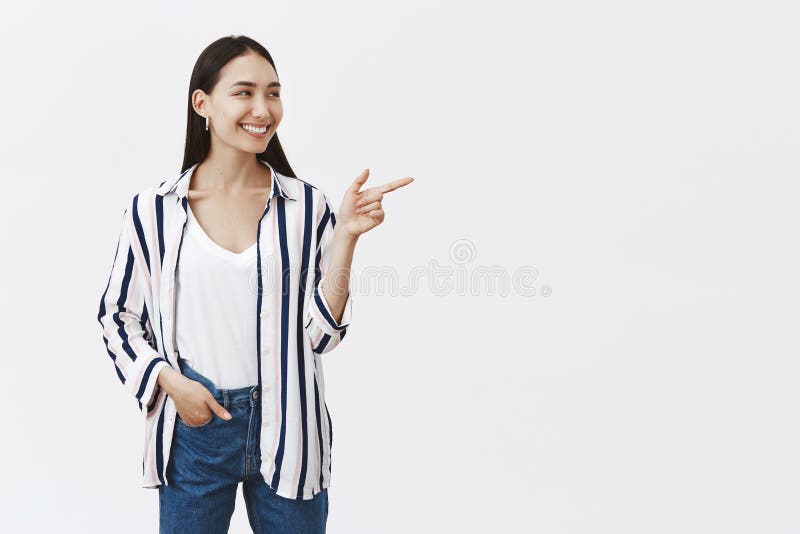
(324, 315)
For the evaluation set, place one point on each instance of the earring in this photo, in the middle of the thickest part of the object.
(206, 122)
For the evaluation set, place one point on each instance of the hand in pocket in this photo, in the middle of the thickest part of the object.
(196, 405)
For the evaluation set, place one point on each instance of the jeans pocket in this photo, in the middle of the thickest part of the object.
(201, 425)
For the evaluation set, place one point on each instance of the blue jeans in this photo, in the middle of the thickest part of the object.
(207, 462)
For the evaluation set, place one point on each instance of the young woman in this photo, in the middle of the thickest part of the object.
(229, 282)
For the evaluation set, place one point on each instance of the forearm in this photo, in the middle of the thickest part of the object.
(335, 286)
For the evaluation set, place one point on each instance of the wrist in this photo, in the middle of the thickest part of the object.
(340, 233)
(167, 378)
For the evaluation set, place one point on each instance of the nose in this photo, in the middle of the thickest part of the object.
(260, 109)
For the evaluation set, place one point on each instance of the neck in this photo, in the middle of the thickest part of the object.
(230, 171)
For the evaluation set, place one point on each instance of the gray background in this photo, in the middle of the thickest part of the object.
(639, 158)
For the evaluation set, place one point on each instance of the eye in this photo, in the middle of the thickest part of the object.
(276, 94)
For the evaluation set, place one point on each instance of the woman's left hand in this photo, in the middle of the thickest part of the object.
(361, 211)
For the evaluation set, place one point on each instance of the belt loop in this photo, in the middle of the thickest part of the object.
(226, 399)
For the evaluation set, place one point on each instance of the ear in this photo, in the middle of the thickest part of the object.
(200, 102)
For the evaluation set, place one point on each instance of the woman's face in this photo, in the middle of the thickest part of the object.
(246, 97)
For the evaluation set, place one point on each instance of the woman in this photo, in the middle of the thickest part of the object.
(229, 282)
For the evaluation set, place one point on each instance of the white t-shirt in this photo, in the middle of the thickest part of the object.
(216, 299)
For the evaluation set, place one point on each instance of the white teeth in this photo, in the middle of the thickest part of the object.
(254, 129)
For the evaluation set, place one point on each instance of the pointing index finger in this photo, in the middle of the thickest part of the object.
(395, 184)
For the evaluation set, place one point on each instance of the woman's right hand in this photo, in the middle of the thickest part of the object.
(194, 402)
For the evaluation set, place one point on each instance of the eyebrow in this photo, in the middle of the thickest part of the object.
(252, 84)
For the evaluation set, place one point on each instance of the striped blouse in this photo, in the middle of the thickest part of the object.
(294, 326)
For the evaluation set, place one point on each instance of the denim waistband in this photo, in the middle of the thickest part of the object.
(246, 396)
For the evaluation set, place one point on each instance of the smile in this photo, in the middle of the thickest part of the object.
(255, 131)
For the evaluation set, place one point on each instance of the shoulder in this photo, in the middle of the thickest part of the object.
(144, 207)
(297, 187)
(158, 191)
(142, 199)
(302, 183)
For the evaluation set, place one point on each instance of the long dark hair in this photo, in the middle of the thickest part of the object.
(205, 76)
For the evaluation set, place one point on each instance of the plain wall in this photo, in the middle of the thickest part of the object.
(635, 164)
